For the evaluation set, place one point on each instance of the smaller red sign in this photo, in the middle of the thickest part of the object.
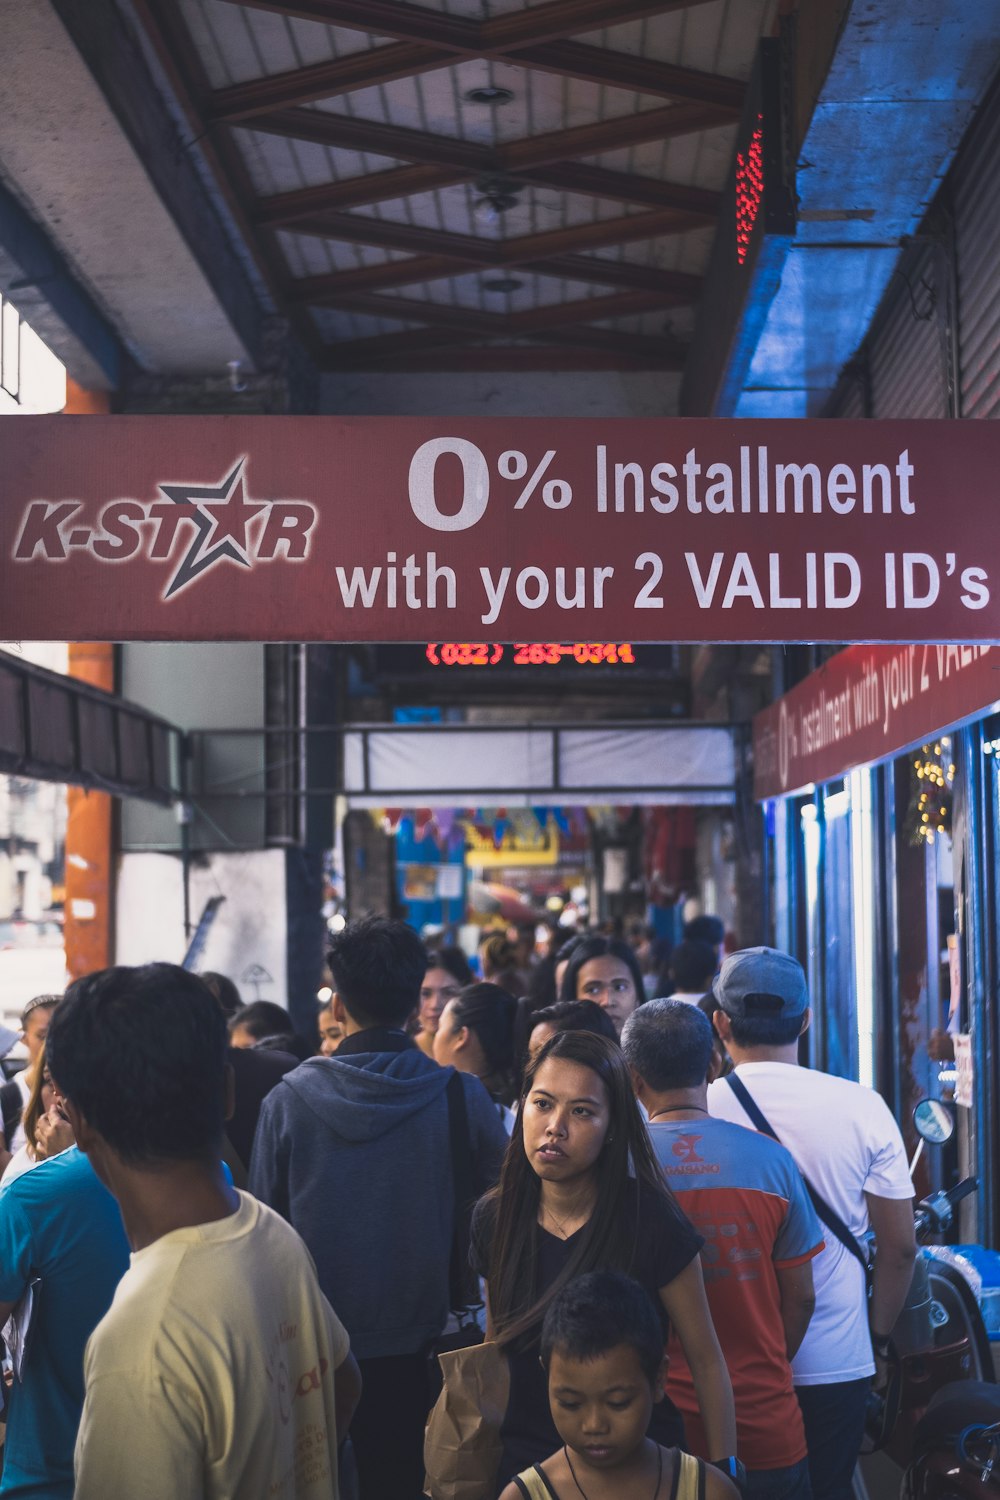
(866, 704)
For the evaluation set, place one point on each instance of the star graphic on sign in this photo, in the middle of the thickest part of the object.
(221, 514)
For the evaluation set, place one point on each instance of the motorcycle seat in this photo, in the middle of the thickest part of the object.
(954, 1407)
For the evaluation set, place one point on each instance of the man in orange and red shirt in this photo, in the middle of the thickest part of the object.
(745, 1195)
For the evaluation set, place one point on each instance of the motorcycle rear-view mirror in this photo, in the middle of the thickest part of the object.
(934, 1121)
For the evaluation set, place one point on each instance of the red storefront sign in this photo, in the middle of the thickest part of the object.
(865, 704)
(413, 529)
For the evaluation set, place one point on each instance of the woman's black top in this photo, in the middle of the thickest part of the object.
(665, 1242)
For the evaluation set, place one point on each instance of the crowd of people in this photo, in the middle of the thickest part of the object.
(229, 1254)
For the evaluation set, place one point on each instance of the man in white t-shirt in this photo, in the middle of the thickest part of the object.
(848, 1147)
(220, 1371)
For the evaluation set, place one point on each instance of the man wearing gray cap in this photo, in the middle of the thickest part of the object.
(849, 1149)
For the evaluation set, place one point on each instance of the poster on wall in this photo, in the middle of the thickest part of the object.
(964, 1070)
(416, 529)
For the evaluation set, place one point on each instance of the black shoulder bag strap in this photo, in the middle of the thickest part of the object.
(11, 1108)
(829, 1216)
(459, 1273)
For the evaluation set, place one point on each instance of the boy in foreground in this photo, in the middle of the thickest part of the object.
(220, 1369)
(602, 1349)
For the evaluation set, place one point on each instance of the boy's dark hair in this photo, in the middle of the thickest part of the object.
(378, 965)
(693, 965)
(262, 1018)
(141, 1053)
(224, 990)
(576, 1015)
(599, 1311)
(765, 1031)
(669, 1044)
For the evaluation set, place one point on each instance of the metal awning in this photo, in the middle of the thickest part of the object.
(525, 764)
(56, 728)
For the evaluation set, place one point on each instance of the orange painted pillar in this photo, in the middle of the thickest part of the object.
(89, 814)
(88, 931)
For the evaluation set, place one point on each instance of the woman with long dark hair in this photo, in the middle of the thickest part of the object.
(606, 971)
(580, 1190)
(476, 1035)
(447, 975)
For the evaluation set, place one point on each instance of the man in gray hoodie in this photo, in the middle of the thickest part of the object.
(354, 1151)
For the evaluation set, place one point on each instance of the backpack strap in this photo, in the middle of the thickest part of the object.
(828, 1215)
(459, 1273)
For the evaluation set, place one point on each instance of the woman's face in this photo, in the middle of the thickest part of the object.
(36, 1029)
(608, 981)
(239, 1036)
(331, 1033)
(448, 1038)
(565, 1120)
(437, 989)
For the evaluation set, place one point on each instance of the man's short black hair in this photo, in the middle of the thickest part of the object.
(378, 966)
(766, 1031)
(705, 930)
(224, 990)
(693, 965)
(141, 1053)
(262, 1018)
(577, 1015)
(599, 1311)
(669, 1044)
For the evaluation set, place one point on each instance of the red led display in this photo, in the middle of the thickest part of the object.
(530, 654)
(749, 189)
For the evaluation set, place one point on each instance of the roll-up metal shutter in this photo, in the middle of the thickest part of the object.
(977, 234)
(849, 398)
(907, 349)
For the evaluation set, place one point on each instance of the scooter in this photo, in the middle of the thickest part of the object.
(939, 1413)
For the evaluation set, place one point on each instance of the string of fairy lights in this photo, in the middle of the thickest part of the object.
(930, 805)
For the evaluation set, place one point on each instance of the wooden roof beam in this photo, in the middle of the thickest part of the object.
(530, 321)
(428, 39)
(362, 229)
(511, 359)
(677, 288)
(358, 70)
(362, 70)
(417, 23)
(284, 209)
(389, 346)
(326, 128)
(640, 75)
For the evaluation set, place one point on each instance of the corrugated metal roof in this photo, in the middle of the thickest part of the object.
(237, 45)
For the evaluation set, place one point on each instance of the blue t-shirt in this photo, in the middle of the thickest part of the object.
(60, 1223)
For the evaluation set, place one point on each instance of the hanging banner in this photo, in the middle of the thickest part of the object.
(416, 529)
(866, 704)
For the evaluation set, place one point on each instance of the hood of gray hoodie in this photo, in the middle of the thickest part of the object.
(367, 1094)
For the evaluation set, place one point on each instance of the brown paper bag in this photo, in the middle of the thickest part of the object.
(462, 1445)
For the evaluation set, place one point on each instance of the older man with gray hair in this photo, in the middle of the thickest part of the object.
(745, 1195)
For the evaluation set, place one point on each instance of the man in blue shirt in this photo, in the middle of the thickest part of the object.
(57, 1222)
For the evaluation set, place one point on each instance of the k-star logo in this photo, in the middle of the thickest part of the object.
(212, 523)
